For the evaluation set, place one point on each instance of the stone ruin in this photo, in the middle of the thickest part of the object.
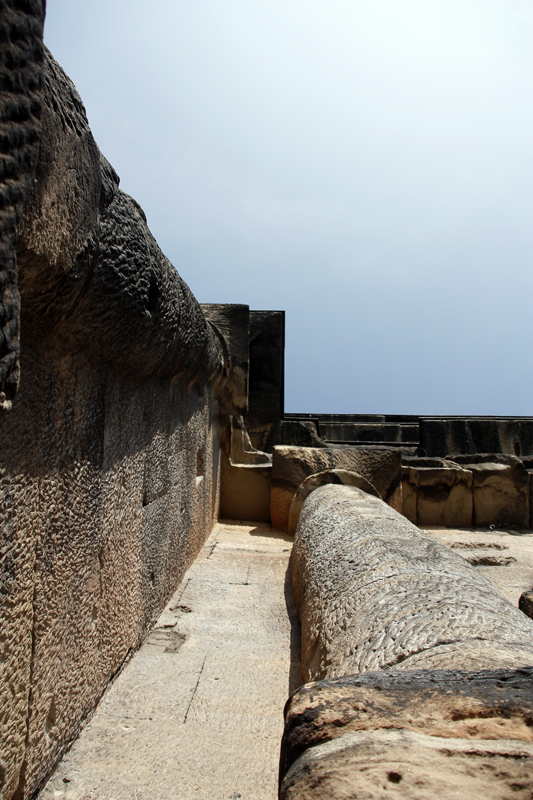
(133, 417)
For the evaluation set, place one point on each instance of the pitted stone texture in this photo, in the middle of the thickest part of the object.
(103, 518)
(21, 56)
(381, 467)
(410, 734)
(198, 711)
(91, 271)
(414, 735)
(373, 592)
(378, 765)
(109, 466)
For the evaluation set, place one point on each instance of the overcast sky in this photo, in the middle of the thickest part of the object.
(365, 165)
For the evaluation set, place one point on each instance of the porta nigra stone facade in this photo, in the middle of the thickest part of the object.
(131, 418)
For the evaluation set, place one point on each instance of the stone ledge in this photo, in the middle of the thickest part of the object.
(361, 735)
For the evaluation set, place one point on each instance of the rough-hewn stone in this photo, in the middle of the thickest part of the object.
(500, 489)
(374, 592)
(381, 467)
(21, 56)
(90, 270)
(436, 493)
(434, 733)
(109, 471)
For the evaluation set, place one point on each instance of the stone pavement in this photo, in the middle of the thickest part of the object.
(198, 711)
(503, 556)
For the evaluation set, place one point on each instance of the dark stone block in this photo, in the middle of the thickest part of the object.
(464, 435)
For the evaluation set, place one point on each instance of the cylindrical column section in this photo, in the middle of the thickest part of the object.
(374, 593)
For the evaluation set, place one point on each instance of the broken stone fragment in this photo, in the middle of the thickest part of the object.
(432, 733)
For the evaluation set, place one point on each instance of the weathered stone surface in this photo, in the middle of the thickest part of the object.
(438, 494)
(231, 324)
(500, 489)
(21, 56)
(340, 477)
(100, 521)
(374, 592)
(381, 467)
(463, 435)
(433, 733)
(198, 711)
(89, 268)
(110, 463)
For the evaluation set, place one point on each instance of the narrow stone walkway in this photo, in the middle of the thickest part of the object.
(198, 711)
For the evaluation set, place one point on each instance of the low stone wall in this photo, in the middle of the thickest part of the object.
(470, 490)
(441, 436)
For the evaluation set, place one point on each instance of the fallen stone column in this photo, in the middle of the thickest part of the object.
(374, 592)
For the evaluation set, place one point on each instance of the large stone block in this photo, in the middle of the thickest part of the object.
(437, 492)
(381, 467)
(463, 435)
(500, 490)
(245, 491)
(434, 733)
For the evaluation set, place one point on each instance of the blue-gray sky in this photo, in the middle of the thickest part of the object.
(365, 165)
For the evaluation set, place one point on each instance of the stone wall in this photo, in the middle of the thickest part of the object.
(110, 460)
(467, 490)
